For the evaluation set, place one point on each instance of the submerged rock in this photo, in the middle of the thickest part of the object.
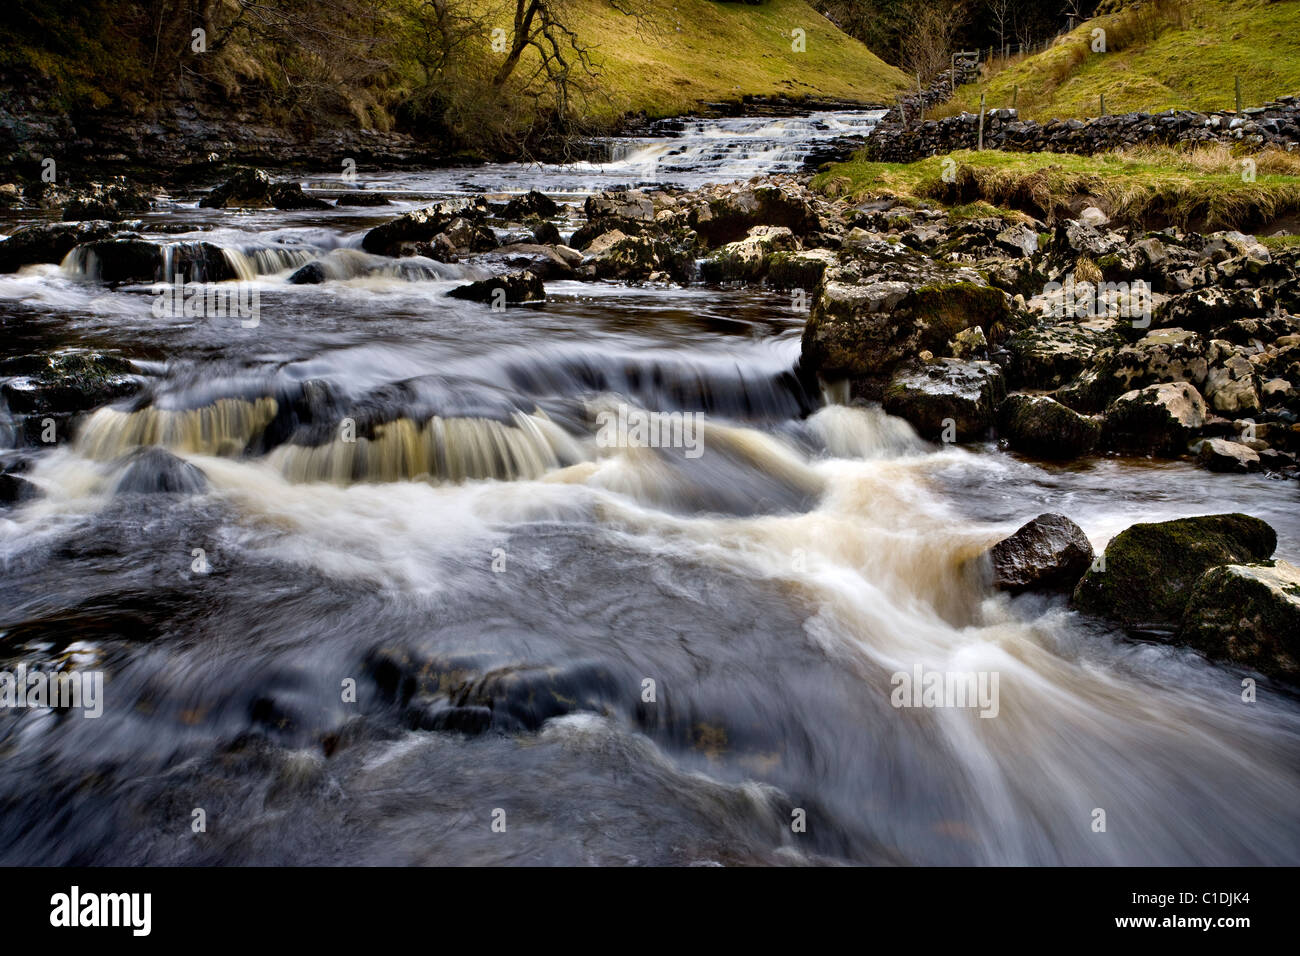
(948, 398)
(513, 287)
(1148, 571)
(153, 470)
(1249, 615)
(1049, 553)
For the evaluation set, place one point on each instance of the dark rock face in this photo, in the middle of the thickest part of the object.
(49, 242)
(153, 471)
(362, 199)
(130, 259)
(533, 205)
(727, 216)
(107, 201)
(421, 225)
(547, 234)
(1158, 418)
(1042, 426)
(1050, 553)
(947, 396)
(513, 287)
(1148, 572)
(254, 189)
(1249, 615)
(15, 490)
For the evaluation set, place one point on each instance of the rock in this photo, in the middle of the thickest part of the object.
(748, 259)
(421, 225)
(623, 204)
(1094, 217)
(1248, 614)
(134, 260)
(513, 287)
(1043, 427)
(799, 270)
(547, 262)
(362, 199)
(1203, 309)
(1018, 239)
(1148, 572)
(49, 242)
(728, 213)
(969, 343)
(107, 202)
(615, 255)
(470, 236)
(1158, 419)
(1051, 356)
(534, 204)
(254, 189)
(546, 233)
(313, 273)
(947, 398)
(1049, 553)
(151, 471)
(1219, 454)
(65, 382)
(1230, 382)
(15, 490)
(864, 322)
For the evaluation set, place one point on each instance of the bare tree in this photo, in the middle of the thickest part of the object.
(927, 48)
(1000, 12)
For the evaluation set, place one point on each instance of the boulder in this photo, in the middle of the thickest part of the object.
(469, 236)
(49, 242)
(15, 490)
(254, 189)
(1148, 571)
(1219, 454)
(620, 204)
(615, 255)
(513, 287)
(1050, 553)
(1204, 309)
(421, 225)
(748, 259)
(1248, 614)
(728, 213)
(362, 199)
(547, 262)
(533, 205)
(1158, 419)
(1049, 356)
(1039, 425)
(947, 398)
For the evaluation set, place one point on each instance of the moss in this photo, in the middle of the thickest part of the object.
(1149, 570)
(1249, 615)
(947, 309)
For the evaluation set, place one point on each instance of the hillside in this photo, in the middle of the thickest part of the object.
(1160, 55)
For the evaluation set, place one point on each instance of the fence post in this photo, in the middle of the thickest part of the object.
(980, 147)
(1103, 104)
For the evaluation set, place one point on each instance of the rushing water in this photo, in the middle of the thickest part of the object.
(500, 586)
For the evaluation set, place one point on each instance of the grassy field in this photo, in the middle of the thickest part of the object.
(1151, 186)
(698, 51)
(1166, 54)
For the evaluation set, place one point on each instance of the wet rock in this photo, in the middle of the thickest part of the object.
(107, 201)
(1050, 553)
(799, 270)
(152, 471)
(1230, 385)
(135, 260)
(513, 287)
(65, 382)
(1203, 309)
(1050, 356)
(255, 189)
(1043, 427)
(421, 225)
(1148, 571)
(546, 262)
(727, 213)
(49, 242)
(620, 204)
(533, 205)
(1249, 615)
(748, 259)
(470, 236)
(15, 490)
(1219, 454)
(947, 398)
(1158, 419)
(313, 273)
(546, 233)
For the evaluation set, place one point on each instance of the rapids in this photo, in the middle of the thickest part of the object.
(640, 656)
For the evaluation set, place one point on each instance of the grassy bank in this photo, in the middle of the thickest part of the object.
(1164, 54)
(1154, 187)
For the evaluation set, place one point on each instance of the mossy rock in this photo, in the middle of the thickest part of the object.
(1040, 425)
(1249, 615)
(944, 310)
(1148, 572)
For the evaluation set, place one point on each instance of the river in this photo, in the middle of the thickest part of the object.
(565, 653)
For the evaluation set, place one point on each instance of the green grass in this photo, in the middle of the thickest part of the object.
(1153, 187)
(700, 51)
(1178, 56)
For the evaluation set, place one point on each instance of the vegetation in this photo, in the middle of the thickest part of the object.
(1200, 187)
(1160, 54)
(491, 74)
